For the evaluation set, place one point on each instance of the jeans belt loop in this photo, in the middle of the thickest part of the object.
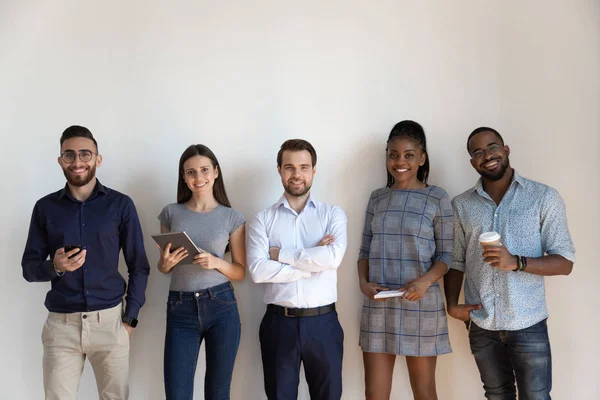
(67, 318)
(180, 300)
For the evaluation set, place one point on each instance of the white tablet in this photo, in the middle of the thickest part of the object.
(384, 294)
(177, 240)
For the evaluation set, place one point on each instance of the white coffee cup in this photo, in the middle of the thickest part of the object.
(490, 239)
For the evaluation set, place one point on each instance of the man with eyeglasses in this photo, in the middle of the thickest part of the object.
(504, 285)
(74, 241)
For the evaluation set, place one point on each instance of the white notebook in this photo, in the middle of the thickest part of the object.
(384, 294)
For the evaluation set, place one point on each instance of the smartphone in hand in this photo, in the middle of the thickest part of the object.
(72, 247)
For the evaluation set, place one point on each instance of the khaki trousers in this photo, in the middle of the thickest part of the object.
(98, 335)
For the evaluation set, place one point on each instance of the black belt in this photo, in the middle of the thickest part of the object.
(300, 312)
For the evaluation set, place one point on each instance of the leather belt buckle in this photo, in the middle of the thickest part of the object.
(286, 314)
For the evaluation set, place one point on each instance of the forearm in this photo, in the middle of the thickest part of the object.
(233, 271)
(132, 309)
(453, 282)
(136, 289)
(258, 258)
(135, 295)
(363, 271)
(549, 265)
(269, 271)
(315, 259)
(438, 270)
(162, 267)
(328, 253)
(38, 271)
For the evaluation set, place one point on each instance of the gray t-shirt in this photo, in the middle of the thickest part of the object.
(210, 232)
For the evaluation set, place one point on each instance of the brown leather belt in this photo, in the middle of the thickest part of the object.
(300, 312)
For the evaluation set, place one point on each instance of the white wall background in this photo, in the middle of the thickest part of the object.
(150, 77)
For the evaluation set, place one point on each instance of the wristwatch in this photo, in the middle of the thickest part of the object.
(132, 322)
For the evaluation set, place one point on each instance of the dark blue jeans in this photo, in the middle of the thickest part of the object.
(209, 314)
(317, 341)
(502, 356)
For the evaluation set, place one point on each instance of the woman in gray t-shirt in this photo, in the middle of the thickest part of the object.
(201, 303)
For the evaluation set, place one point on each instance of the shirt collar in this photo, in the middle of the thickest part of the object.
(515, 179)
(283, 201)
(99, 188)
(518, 178)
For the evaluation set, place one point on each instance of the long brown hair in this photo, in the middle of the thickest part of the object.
(183, 191)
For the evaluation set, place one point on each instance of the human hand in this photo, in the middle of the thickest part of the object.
(63, 263)
(206, 260)
(463, 311)
(370, 289)
(415, 289)
(170, 259)
(326, 241)
(129, 328)
(499, 257)
(274, 253)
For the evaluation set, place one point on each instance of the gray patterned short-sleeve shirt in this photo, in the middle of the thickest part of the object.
(531, 220)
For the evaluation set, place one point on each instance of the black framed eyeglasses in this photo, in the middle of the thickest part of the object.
(480, 153)
(69, 156)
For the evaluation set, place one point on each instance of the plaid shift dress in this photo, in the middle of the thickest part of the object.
(405, 232)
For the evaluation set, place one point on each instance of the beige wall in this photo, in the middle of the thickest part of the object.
(241, 76)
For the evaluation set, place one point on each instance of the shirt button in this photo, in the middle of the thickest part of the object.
(498, 295)
(197, 294)
(83, 224)
(87, 292)
(84, 316)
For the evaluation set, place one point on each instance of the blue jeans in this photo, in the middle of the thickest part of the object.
(503, 355)
(209, 314)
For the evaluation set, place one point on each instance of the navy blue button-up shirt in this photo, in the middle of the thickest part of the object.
(103, 224)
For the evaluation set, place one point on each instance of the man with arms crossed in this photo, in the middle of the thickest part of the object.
(504, 285)
(295, 247)
(85, 300)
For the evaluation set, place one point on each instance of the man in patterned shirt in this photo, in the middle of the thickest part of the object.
(504, 286)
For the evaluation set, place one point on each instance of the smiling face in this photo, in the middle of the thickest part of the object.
(79, 173)
(296, 172)
(199, 174)
(404, 156)
(489, 156)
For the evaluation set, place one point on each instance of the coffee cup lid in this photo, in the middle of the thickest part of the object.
(489, 237)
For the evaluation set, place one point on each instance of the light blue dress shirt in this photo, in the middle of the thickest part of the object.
(306, 274)
(531, 220)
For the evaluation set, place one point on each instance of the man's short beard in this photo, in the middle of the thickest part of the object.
(80, 182)
(302, 193)
(498, 175)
